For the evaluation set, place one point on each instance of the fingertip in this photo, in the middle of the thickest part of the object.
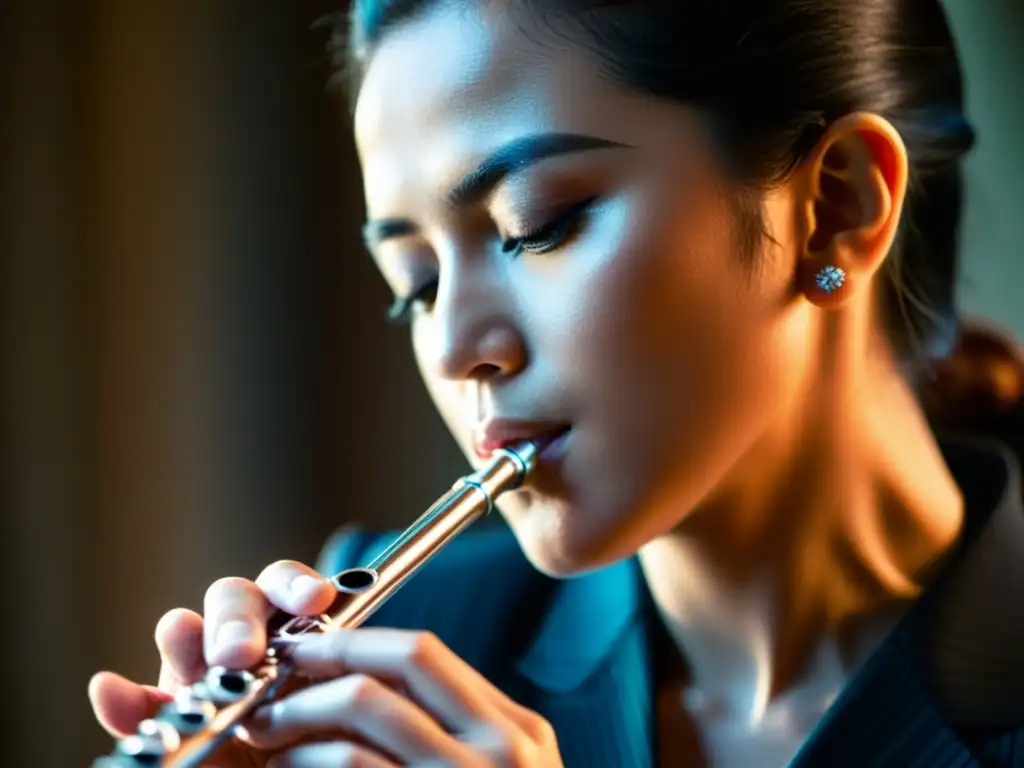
(296, 588)
(105, 684)
(234, 632)
(179, 639)
(311, 593)
(322, 655)
(177, 620)
(96, 685)
(119, 704)
(238, 643)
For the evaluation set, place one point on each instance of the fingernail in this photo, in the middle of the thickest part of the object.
(303, 586)
(232, 634)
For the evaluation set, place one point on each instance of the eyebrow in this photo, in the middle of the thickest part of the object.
(513, 157)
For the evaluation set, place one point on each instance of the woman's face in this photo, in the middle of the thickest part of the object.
(604, 283)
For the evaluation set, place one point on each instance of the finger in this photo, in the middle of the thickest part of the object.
(357, 704)
(120, 705)
(496, 747)
(329, 755)
(451, 689)
(296, 588)
(179, 639)
(506, 746)
(234, 631)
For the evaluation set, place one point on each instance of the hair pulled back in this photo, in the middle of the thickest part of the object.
(770, 76)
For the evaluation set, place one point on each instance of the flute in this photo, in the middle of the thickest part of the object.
(204, 716)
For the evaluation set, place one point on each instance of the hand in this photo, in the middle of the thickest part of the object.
(377, 698)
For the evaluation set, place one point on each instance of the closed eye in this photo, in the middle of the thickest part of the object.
(550, 236)
(538, 241)
(400, 311)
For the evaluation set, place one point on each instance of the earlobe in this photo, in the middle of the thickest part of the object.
(855, 182)
(825, 284)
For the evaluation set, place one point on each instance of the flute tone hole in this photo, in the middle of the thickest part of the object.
(355, 580)
(233, 682)
(192, 718)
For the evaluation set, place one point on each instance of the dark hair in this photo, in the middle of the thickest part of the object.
(770, 75)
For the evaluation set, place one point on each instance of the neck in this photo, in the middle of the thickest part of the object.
(818, 538)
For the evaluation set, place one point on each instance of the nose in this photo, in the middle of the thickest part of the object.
(472, 335)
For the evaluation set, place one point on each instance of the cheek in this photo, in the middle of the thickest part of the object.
(667, 305)
(680, 349)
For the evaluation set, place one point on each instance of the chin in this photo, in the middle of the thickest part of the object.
(556, 544)
(557, 564)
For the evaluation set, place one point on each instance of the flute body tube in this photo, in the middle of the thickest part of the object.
(204, 716)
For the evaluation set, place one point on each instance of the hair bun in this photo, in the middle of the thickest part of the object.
(979, 387)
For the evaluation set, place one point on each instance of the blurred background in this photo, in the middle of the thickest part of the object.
(196, 377)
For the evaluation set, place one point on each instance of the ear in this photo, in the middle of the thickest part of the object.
(853, 187)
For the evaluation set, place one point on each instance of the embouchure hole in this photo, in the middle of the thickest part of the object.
(355, 580)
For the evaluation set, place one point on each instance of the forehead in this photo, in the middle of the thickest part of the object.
(425, 67)
(445, 89)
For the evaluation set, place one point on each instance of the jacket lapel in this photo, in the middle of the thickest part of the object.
(948, 669)
(590, 670)
(945, 671)
(886, 717)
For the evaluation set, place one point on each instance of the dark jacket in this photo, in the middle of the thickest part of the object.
(945, 689)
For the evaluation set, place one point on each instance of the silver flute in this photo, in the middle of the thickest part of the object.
(204, 716)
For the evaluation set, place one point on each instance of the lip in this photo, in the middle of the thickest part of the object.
(491, 435)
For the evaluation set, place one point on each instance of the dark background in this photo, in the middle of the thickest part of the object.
(196, 377)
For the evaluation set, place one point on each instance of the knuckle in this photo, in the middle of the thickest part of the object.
(507, 747)
(536, 728)
(351, 756)
(424, 649)
(361, 691)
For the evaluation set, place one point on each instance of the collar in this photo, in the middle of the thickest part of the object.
(954, 659)
(971, 648)
(586, 616)
(972, 629)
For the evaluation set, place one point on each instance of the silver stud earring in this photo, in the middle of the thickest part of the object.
(830, 279)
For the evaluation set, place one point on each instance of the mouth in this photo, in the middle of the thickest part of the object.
(491, 436)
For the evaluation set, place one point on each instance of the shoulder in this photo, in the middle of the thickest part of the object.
(479, 595)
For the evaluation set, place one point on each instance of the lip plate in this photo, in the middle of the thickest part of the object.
(500, 433)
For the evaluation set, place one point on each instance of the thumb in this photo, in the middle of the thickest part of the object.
(120, 705)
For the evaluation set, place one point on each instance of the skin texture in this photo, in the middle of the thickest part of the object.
(746, 433)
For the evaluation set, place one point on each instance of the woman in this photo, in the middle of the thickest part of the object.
(713, 246)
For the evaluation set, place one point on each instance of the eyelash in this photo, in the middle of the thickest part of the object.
(400, 311)
(539, 241)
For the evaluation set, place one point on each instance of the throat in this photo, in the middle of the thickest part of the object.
(751, 658)
(778, 588)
